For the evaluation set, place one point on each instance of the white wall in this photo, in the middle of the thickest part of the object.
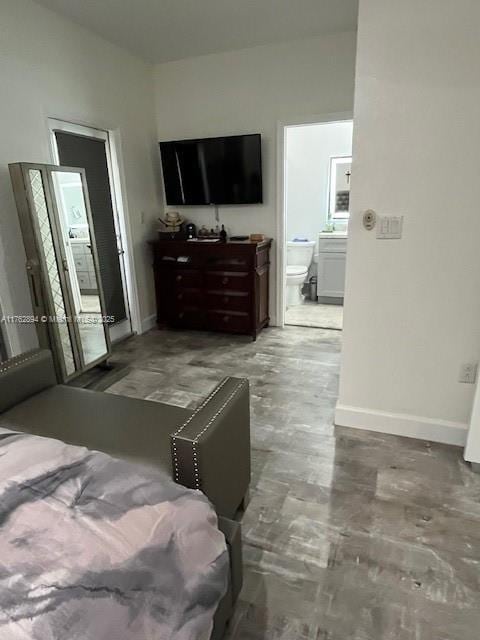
(308, 150)
(472, 447)
(249, 91)
(49, 67)
(412, 307)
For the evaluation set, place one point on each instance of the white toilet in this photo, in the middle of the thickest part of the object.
(299, 258)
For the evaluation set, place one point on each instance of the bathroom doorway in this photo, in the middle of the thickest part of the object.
(317, 160)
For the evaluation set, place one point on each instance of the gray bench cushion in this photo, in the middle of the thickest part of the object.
(123, 427)
(24, 375)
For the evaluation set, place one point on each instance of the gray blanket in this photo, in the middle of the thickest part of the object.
(93, 548)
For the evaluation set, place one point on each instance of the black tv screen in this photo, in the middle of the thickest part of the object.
(214, 171)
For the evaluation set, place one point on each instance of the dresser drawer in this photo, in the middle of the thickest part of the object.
(235, 322)
(178, 257)
(188, 298)
(225, 280)
(187, 318)
(187, 279)
(226, 263)
(228, 301)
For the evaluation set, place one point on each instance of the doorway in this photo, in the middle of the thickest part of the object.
(89, 148)
(316, 172)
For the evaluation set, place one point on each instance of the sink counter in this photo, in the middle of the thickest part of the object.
(332, 234)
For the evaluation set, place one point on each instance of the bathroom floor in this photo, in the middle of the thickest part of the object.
(313, 314)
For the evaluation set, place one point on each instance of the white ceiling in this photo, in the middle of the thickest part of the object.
(162, 30)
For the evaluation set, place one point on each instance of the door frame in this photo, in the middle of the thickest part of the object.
(121, 216)
(5, 350)
(281, 216)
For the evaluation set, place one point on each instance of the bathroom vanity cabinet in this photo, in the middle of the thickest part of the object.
(84, 266)
(332, 254)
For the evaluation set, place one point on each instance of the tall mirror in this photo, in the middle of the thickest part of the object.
(50, 307)
(76, 236)
(340, 174)
(62, 265)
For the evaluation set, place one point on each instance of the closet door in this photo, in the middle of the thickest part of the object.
(71, 325)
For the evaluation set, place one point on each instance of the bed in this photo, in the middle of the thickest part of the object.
(97, 548)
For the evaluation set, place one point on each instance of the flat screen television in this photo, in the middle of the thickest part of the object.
(213, 171)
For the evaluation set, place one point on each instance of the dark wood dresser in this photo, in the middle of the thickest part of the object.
(212, 286)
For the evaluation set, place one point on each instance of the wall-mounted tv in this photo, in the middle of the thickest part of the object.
(213, 171)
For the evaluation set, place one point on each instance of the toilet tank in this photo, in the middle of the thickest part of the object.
(300, 253)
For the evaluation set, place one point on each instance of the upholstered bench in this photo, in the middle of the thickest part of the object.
(206, 449)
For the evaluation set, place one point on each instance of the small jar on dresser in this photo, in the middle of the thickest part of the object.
(212, 286)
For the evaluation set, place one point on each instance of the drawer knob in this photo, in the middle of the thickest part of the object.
(225, 280)
(226, 299)
(180, 315)
(179, 277)
(180, 296)
(226, 318)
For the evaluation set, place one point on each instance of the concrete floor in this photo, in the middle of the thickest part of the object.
(349, 535)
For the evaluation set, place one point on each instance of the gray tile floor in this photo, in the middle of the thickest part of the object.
(349, 535)
(315, 314)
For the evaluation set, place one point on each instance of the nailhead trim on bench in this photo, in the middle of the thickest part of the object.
(18, 360)
(204, 430)
(202, 406)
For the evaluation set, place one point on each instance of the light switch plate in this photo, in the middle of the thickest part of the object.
(390, 228)
(468, 373)
(395, 227)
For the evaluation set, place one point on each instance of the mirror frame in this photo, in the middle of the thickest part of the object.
(40, 290)
(52, 169)
(332, 190)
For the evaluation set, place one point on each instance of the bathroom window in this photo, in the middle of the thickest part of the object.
(339, 192)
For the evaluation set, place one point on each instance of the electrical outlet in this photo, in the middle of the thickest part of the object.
(468, 373)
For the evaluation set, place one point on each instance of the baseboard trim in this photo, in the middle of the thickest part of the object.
(148, 323)
(402, 424)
